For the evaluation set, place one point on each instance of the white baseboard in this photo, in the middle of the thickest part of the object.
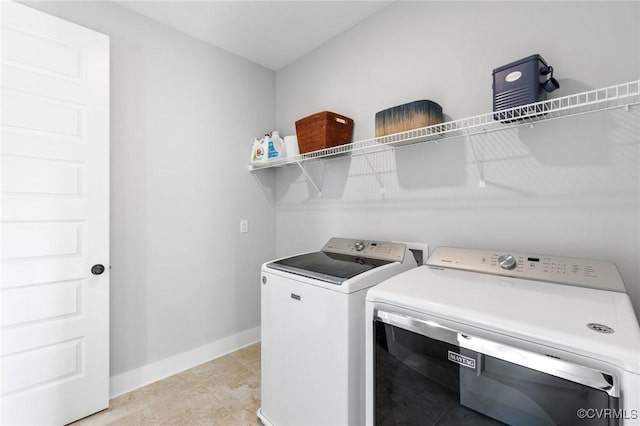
(147, 374)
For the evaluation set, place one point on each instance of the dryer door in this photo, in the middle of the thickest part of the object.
(426, 373)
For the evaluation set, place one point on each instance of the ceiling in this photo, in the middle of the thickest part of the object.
(270, 33)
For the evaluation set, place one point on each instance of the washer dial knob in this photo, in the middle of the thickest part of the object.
(507, 261)
(359, 246)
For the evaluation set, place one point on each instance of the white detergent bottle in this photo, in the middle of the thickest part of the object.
(258, 152)
(275, 146)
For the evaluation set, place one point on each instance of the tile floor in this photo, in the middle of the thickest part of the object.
(225, 391)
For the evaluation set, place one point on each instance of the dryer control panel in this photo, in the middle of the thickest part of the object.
(599, 274)
(382, 250)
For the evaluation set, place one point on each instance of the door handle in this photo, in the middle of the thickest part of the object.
(97, 269)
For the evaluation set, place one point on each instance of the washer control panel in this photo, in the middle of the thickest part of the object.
(382, 250)
(600, 274)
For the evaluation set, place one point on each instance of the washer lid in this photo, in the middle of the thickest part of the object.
(329, 267)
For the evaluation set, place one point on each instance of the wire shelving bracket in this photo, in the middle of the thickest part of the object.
(375, 173)
(474, 155)
(310, 179)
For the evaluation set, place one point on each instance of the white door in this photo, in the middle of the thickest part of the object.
(54, 219)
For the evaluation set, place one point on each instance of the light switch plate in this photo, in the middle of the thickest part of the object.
(244, 225)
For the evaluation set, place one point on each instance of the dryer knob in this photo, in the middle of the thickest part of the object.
(507, 261)
(359, 246)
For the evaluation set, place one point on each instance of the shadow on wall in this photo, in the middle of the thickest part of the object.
(329, 175)
(267, 183)
(432, 164)
(419, 166)
(579, 141)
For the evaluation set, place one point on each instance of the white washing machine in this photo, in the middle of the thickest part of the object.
(313, 330)
(481, 337)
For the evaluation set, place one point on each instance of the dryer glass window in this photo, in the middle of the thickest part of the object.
(421, 380)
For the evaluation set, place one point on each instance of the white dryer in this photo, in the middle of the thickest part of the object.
(482, 337)
(313, 326)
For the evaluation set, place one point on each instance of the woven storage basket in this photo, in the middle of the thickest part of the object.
(322, 130)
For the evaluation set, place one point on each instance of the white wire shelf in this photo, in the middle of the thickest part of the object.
(618, 96)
